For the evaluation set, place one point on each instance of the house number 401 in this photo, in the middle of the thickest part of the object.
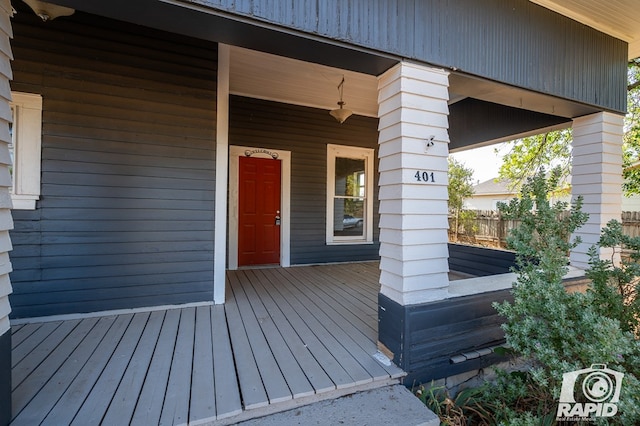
(424, 176)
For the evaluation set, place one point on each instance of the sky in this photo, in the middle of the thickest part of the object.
(484, 162)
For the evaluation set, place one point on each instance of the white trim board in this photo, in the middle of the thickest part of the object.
(235, 152)
(222, 166)
(27, 149)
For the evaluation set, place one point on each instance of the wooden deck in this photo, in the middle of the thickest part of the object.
(283, 334)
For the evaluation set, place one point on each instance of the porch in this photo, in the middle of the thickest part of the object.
(284, 336)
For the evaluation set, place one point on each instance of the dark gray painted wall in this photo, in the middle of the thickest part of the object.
(511, 41)
(306, 132)
(5, 378)
(126, 214)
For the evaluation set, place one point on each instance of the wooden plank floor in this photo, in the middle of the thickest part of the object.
(282, 334)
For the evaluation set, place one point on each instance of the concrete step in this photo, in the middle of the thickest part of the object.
(389, 405)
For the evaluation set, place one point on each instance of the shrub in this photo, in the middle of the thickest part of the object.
(615, 286)
(553, 330)
(466, 408)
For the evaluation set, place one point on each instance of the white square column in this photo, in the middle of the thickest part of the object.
(413, 142)
(597, 176)
(222, 173)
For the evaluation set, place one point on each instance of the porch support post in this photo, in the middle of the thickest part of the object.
(6, 223)
(597, 176)
(413, 142)
(222, 182)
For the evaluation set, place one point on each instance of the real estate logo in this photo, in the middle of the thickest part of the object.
(590, 392)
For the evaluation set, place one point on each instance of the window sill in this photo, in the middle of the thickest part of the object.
(346, 243)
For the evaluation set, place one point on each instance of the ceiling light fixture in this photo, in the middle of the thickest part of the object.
(341, 114)
(47, 11)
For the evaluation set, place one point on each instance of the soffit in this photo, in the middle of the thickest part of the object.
(618, 18)
(276, 78)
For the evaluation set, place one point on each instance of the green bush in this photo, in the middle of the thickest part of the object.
(466, 408)
(615, 287)
(555, 331)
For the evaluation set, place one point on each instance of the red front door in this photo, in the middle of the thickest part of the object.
(259, 211)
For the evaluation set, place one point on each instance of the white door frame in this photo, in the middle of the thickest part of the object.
(235, 152)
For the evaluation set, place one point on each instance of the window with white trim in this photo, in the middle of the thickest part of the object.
(25, 149)
(349, 194)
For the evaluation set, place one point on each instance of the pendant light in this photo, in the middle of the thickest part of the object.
(47, 11)
(341, 114)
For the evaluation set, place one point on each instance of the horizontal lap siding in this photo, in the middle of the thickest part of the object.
(480, 261)
(441, 330)
(424, 337)
(126, 214)
(306, 132)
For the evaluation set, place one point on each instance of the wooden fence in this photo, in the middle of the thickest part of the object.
(489, 229)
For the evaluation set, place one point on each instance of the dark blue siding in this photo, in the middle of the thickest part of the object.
(126, 213)
(480, 261)
(5, 378)
(424, 337)
(306, 132)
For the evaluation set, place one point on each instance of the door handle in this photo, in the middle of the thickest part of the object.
(278, 220)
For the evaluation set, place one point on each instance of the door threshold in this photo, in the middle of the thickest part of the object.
(269, 266)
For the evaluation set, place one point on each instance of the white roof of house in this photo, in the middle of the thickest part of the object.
(491, 187)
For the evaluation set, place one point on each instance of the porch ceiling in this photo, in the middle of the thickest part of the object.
(276, 78)
(618, 18)
(265, 76)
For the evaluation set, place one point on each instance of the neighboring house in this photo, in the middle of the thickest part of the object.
(487, 194)
(177, 139)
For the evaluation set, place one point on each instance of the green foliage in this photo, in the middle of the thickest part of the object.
(460, 188)
(513, 399)
(465, 409)
(527, 157)
(553, 330)
(631, 147)
(467, 221)
(615, 286)
(460, 184)
(542, 241)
